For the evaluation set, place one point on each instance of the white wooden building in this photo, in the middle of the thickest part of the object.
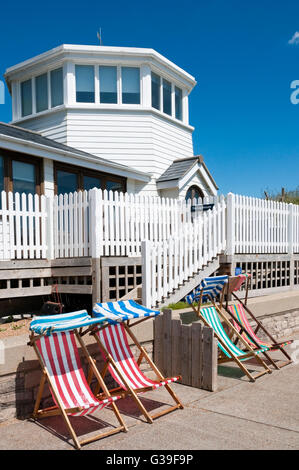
(122, 112)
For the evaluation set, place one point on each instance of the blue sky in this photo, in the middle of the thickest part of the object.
(246, 127)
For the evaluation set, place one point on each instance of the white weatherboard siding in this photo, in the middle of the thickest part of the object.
(171, 142)
(51, 125)
(140, 140)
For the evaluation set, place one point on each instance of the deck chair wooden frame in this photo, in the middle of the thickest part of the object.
(250, 352)
(251, 333)
(125, 388)
(59, 408)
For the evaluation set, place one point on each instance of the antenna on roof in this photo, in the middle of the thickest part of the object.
(99, 35)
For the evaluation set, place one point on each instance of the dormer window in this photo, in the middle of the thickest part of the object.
(85, 84)
(26, 97)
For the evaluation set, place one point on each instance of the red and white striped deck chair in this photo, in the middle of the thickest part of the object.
(240, 314)
(118, 356)
(62, 369)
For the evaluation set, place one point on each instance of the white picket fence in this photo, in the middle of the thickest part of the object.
(23, 222)
(260, 226)
(99, 223)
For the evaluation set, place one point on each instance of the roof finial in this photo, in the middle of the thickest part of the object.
(99, 35)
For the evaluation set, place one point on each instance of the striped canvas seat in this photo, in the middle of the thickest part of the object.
(123, 310)
(210, 287)
(60, 356)
(48, 324)
(238, 311)
(115, 341)
(211, 316)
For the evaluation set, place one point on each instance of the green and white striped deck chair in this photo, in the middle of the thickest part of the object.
(214, 318)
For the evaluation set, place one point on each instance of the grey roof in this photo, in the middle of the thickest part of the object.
(31, 136)
(34, 137)
(179, 168)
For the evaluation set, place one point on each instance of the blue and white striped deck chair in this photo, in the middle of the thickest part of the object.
(49, 324)
(123, 310)
(209, 290)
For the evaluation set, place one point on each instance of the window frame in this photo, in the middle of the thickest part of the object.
(21, 97)
(81, 172)
(97, 68)
(9, 156)
(34, 99)
(121, 85)
(95, 85)
(50, 103)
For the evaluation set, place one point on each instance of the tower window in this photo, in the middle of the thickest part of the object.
(85, 84)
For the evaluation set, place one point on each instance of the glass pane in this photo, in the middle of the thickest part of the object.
(23, 177)
(114, 186)
(108, 84)
(194, 192)
(130, 77)
(1, 174)
(56, 79)
(90, 182)
(41, 92)
(84, 83)
(26, 97)
(178, 103)
(66, 182)
(156, 91)
(166, 97)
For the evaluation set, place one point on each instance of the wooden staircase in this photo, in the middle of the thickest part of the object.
(185, 288)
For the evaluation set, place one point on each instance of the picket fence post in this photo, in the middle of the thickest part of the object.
(95, 223)
(291, 217)
(230, 237)
(146, 273)
(50, 227)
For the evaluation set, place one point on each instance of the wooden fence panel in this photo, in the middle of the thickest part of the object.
(186, 350)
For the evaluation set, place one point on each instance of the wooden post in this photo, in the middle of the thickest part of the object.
(230, 236)
(146, 273)
(167, 340)
(158, 343)
(176, 341)
(50, 227)
(96, 280)
(209, 360)
(186, 352)
(291, 217)
(196, 362)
